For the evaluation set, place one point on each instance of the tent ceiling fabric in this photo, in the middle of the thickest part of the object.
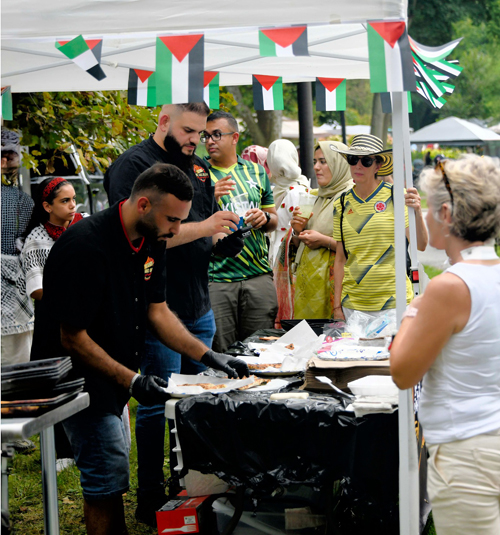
(336, 34)
(454, 131)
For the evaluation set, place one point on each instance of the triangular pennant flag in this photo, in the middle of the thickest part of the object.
(267, 92)
(331, 94)
(430, 54)
(211, 89)
(141, 88)
(6, 103)
(391, 66)
(179, 69)
(86, 54)
(283, 42)
(386, 100)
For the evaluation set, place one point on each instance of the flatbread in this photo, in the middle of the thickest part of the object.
(263, 366)
(257, 381)
(269, 338)
(207, 386)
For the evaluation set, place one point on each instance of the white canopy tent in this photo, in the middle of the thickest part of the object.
(338, 48)
(453, 131)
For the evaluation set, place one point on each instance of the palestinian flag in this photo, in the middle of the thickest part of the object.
(391, 66)
(211, 89)
(386, 100)
(283, 42)
(85, 53)
(431, 54)
(424, 91)
(141, 88)
(6, 103)
(179, 69)
(331, 94)
(267, 92)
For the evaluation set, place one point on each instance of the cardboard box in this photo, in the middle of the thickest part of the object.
(186, 515)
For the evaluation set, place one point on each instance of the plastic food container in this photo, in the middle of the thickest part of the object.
(374, 385)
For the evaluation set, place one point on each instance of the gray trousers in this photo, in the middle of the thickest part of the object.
(241, 308)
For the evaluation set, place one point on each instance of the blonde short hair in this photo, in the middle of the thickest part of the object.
(475, 185)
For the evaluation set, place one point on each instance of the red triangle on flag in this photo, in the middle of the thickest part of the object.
(143, 75)
(208, 76)
(91, 43)
(331, 83)
(284, 36)
(389, 31)
(266, 81)
(180, 45)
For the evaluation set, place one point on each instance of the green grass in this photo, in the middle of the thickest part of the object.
(25, 493)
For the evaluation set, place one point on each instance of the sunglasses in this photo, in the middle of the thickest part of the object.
(440, 166)
(366, 161)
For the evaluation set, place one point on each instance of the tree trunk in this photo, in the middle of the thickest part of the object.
(264, 126)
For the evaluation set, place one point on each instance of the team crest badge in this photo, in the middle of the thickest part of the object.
(200, 172)
(148, 268)
(380, 206)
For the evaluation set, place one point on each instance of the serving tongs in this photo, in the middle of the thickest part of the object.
(340, 393)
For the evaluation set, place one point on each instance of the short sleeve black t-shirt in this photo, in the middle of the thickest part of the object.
(187, 281)
(95, 280)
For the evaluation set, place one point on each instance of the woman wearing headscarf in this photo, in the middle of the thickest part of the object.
(314, 287)
(286, 175)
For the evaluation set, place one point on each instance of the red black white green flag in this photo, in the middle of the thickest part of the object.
(267, 92)
(86, 53)
(283, 42)
(331, 94)
(141, 88)
(6, 103)
(211, 89)
(386, 101)
(179, 69)
(391, 65)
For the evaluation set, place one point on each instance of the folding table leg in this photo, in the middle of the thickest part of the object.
(49, 482)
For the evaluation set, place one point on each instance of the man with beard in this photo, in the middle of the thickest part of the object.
(115, 262)
(189, 253)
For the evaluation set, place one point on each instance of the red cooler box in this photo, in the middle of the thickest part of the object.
(186, 515)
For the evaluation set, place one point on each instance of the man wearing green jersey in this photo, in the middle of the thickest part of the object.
(242, 291)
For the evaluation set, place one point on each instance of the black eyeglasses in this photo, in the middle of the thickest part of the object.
(440, 166)
(216, 136)
(366, 161)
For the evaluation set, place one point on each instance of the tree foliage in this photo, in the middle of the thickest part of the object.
(101, 125)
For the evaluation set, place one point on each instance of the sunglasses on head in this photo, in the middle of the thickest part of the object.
(366, 161)
(440, 166)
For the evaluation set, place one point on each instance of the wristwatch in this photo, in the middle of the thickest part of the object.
(268, 218)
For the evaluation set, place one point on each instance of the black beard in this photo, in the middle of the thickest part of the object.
(150, 232)
(183, 161)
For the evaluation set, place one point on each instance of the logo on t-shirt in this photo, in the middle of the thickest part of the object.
(380, 206)
(200, 172)
(148, 268)
(351, 211)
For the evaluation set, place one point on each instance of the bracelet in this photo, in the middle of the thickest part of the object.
(134, 379)
(336, 308)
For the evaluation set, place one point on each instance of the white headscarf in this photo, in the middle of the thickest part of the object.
(283, 162)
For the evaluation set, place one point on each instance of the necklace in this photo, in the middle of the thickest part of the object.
(479, 252)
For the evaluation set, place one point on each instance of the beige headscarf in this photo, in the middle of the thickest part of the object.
(322, 218)
(283, 162)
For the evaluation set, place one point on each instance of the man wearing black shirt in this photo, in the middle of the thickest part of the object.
(114, 262)
(189, 254)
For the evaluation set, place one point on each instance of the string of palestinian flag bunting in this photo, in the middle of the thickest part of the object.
(397, 63)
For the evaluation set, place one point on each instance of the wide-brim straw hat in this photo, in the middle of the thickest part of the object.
(368, 145)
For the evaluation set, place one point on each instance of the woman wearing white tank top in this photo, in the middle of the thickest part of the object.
(450, 337)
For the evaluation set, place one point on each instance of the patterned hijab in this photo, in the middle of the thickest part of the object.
(256, 154)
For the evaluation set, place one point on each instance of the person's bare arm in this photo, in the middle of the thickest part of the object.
(442, 310)
(412, 199)
(217, 223)
(338, 275)
(258, 220)
(80, 346)
(314, 240)
(171, 332)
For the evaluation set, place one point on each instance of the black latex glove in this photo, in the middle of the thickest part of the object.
(148, 391)
(225, 363)
(231, 245)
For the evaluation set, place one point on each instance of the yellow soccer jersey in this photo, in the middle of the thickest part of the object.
(368, 226)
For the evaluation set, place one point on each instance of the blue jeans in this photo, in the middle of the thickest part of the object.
(99, 443)
(150, 422)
